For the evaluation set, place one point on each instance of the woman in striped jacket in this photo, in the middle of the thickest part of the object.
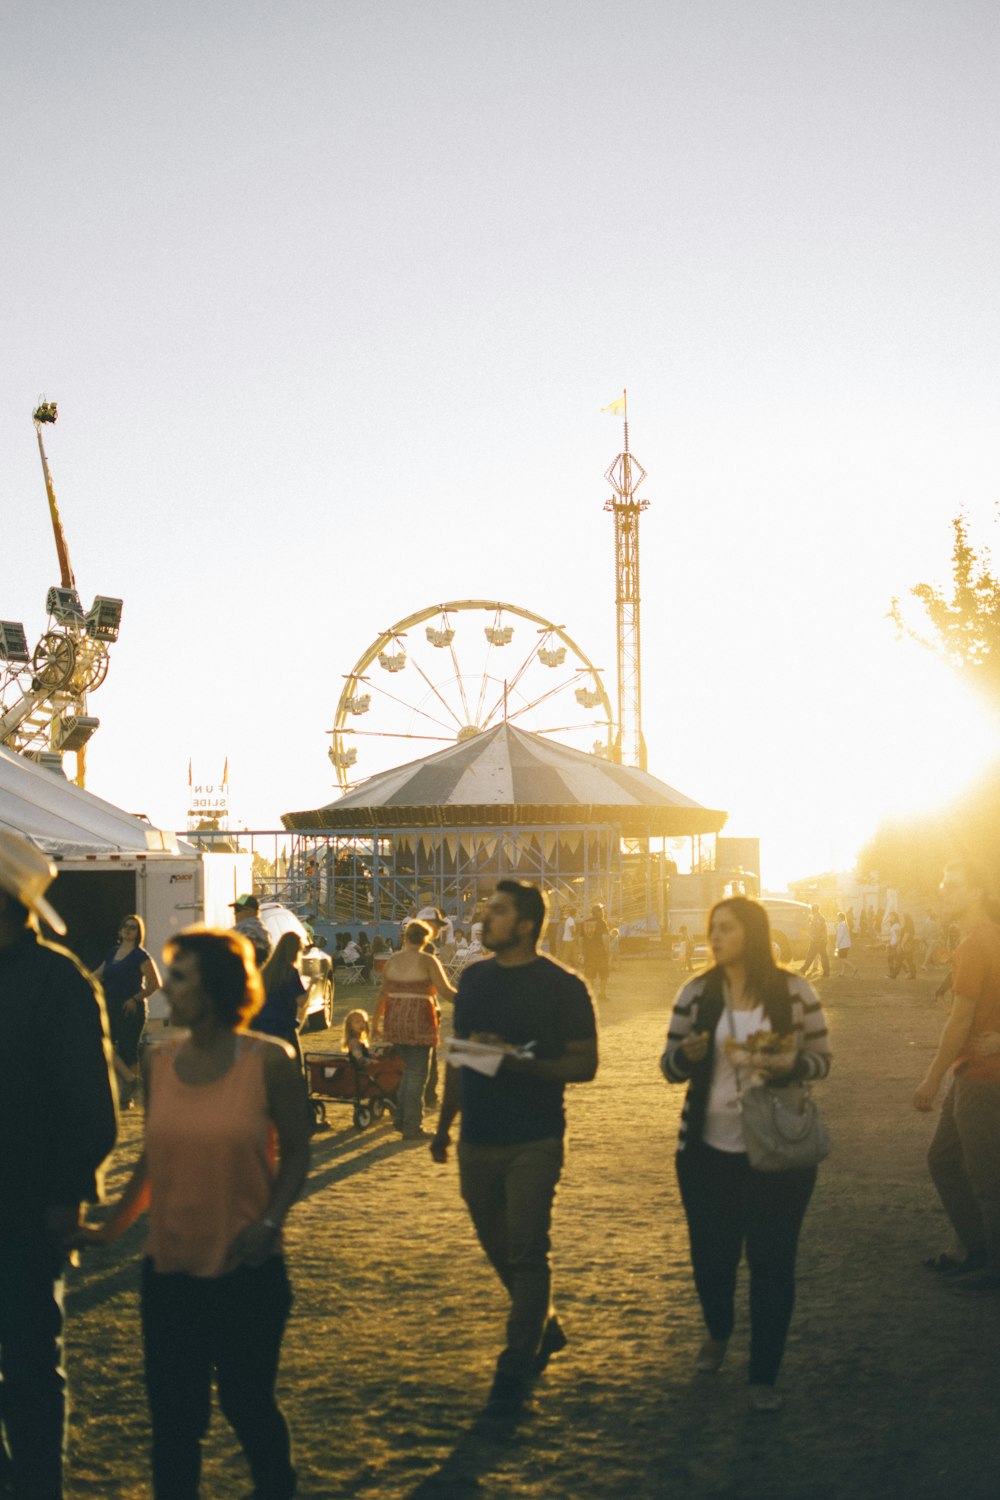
(726, 1201)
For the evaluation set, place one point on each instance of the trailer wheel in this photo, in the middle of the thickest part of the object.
(362, 1116)
(318, 1112)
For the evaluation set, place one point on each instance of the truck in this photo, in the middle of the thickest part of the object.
(691, 897)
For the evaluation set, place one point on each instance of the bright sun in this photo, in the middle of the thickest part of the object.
(906, 740)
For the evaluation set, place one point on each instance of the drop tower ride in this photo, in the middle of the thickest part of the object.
(625, 476)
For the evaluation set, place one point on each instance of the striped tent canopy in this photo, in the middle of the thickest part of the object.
(507, 776)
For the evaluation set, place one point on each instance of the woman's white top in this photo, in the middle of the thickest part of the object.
(843, 938)
(723, 1122)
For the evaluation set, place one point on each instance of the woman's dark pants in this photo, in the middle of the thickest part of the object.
(728, 1204)
(231, 1326)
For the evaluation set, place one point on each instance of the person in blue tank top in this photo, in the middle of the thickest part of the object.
(129, 977)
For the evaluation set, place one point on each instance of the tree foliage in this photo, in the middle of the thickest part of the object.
(965, 626)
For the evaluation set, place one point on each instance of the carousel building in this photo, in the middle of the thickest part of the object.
(506, 803)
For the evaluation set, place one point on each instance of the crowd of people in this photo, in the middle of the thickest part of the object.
(227, 1146)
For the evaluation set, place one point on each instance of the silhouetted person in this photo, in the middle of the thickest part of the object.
(57, 1125)
(818, 944)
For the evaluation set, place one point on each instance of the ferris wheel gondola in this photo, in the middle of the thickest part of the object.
(474, 664)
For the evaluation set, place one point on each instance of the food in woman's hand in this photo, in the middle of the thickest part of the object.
(761, 1044)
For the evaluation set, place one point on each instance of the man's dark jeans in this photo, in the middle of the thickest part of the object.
(34, 1382)
(509, 1191)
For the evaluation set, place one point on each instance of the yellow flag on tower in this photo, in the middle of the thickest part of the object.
(617, 408)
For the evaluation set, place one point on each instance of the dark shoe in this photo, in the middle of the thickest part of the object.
(553, 1340)
(978, 1281)
(764, 1398)
(710, 1356)
(943, 1263)
(507, 1394)
(974, 1261)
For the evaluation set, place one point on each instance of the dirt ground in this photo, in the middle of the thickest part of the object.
(890, 1384)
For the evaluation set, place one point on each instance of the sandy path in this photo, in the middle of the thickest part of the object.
(890, 1378)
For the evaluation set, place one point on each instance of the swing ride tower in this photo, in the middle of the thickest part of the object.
(43, 693)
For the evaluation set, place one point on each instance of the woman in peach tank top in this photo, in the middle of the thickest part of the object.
(215, 1294)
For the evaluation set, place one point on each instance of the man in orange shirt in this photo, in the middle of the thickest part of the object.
(964, 1156)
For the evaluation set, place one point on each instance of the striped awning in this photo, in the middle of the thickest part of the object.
(507, 776)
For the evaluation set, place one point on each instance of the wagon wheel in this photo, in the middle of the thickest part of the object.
(91, 666)
(53, 661)
(451, 671)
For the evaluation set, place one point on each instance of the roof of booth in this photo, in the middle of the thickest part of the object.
(62, 818)
(507, 776)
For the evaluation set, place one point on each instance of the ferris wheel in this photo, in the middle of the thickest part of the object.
(451, 671)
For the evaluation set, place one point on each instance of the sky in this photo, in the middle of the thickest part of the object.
(331, 297)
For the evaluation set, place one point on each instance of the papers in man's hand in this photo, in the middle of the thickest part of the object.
(482, 1057)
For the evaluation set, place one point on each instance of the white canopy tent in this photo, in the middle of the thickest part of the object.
(61, 818)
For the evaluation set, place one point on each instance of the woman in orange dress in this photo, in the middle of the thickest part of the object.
(407, 1018)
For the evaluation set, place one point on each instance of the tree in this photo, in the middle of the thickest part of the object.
(965, 627)
(965, 632)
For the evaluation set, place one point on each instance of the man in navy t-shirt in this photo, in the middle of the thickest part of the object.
(510, 1149)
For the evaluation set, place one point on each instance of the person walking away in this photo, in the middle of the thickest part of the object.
(248, 924)
(215, 1296)
(595, 939)
(57, 1125)
(964, 1155)
(407, 1017)
(908, 946)
(818, 944)
(568, 939)
(842, 946)
(932, 941)
(129, 978)
(687, 951)
(727, 1202)
(893, 934)
(510, 1150)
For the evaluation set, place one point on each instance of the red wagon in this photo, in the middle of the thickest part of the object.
(370, 1083)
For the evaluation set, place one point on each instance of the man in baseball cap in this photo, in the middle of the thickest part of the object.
(249, 925)
(57, 1124)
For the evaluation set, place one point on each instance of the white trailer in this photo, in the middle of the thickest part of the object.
(92, 892)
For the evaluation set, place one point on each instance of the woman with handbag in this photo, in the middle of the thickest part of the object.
(746, 1032)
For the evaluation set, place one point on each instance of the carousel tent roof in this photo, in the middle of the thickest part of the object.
(62, 818)
(507, 776)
